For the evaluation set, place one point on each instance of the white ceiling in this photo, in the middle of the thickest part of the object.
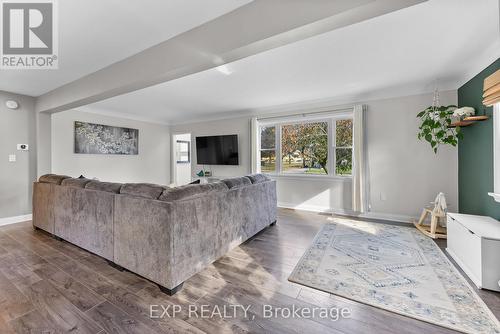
(95, 33)
(400, 53)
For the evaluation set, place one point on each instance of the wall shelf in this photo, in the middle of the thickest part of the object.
(475, 118)
(460, 124)
(468, 121)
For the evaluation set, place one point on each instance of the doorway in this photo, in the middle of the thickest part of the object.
(182, 158)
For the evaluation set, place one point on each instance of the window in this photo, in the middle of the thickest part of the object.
(268, 149)
(496, 152)
(343, 147)
(183, 148)
(302, 146)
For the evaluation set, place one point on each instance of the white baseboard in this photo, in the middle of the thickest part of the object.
(305, 207)
(389, 216)
(17, 219)
(347, 212)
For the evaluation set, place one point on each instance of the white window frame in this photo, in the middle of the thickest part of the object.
(277, 137)
(278, 122)
(334, 146)
(496, 153)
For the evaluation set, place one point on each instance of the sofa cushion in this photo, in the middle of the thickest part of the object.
(237, 182)
(191, 190)
(109, 187)
(258, 178)
(53, 178)
(146, 190)
(75, 183)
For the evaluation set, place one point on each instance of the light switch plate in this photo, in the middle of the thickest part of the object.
(12, 158)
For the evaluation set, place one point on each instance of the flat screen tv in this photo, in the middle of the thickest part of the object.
(217, 150)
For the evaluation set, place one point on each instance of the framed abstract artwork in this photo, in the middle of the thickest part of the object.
(104, 139)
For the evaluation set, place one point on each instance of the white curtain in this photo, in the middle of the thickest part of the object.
(359, 198)
(253, 139)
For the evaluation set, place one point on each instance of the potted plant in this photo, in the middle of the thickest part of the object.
(439, 125)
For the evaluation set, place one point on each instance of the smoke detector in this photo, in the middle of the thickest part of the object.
(11, 104)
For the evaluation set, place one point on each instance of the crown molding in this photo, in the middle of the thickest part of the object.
(320, 105)
(116, 114)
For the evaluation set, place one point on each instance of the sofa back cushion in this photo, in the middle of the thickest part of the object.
(258, 178)
(109, 187)
(53, 178)
(191, 190)
(75, 183)
(237, 182)
(146, 190)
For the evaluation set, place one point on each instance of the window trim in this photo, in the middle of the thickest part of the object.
(496, 153)
(334, 146)
(330, 118)
(259, 149)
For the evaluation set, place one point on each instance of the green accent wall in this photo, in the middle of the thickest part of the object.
(475, 152)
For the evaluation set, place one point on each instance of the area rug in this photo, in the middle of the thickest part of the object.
(394, 268)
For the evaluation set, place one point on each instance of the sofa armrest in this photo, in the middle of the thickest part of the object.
(143, 238)
(197, 225)
(43, 206)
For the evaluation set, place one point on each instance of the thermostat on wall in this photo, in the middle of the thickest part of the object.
(22, 147)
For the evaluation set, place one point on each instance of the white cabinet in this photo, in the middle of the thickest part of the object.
(474, 244)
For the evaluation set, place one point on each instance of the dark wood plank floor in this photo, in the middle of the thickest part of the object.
(50, 286)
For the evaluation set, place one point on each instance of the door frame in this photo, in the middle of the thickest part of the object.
(173, 158)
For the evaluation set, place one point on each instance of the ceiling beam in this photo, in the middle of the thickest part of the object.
(251, 29)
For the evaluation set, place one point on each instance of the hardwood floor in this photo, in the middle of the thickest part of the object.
(50, 286)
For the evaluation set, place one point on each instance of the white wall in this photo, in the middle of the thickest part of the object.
(152, 164)
(16, 178)
(239, 126)
(402, 169)
(315, 193)
(404, 173)
(43, 143)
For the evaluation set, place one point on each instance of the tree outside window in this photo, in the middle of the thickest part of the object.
(304, 147)
(268, 149)
(343, 147)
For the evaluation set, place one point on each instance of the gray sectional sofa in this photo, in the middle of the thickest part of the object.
(163, 234)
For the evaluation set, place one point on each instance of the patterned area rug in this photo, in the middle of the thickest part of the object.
(394, 268)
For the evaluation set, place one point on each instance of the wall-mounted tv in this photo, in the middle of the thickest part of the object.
(217, 150)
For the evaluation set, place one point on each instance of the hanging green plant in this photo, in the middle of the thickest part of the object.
(435, 127)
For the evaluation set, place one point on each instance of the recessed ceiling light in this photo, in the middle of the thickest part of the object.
(224, 69)
(11, 104)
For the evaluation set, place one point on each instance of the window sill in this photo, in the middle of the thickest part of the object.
(310, 177)
(495, 196)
